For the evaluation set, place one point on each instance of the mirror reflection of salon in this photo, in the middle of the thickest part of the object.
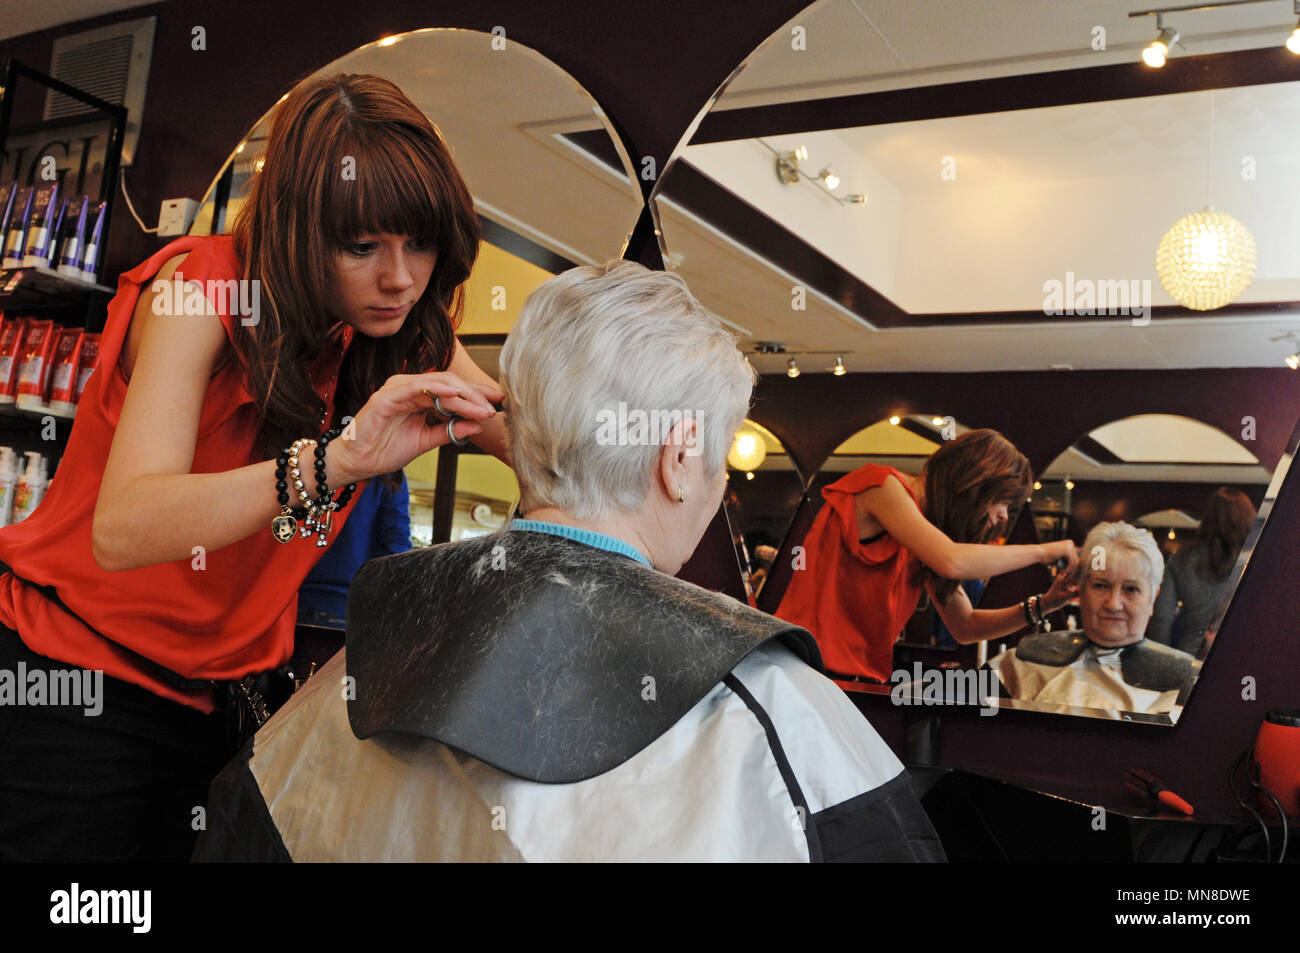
(763, 491)
(885, 538)
(1195, 488)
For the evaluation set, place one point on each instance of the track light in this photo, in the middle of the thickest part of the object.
(1156, 54)
(792, 370)
(839, 369)
(830, 178)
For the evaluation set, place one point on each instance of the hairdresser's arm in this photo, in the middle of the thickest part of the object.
(893, 508)
(494, 438)
(151, 509)
(968, 624)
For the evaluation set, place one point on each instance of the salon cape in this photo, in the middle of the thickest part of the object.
(569, 704)
(1093, 680)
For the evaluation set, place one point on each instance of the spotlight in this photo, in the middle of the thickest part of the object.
(895, 420)
(1037, 485)
(1293, 42)
(749, 474)
(792, 370)
(1069, 484)
(839, 369)
(1293, 361)
(801, 153)
(1156, 54)
(830, 178)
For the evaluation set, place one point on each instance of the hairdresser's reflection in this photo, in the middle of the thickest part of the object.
(1111, 665)
(884, 536)
(550, 692)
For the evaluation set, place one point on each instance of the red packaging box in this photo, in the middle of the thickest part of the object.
(12, 336)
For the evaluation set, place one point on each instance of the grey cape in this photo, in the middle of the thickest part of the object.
(522, 696)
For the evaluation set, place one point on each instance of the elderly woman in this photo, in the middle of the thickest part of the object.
(551, 692)
(1111, 665)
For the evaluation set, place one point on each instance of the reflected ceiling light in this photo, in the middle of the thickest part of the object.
(749, 474)
(1206, 260)
(389, 40)
(792, 369)
(748, 451)
(937, 421)
(788, 172)
(839, 370)
(1158, 51)
(259, 163)
(895, 420)
(1038, 485)
(1069, 484)
(240, 148)
(1171, 533)
(1293, 362)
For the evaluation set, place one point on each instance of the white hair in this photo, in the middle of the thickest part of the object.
(599, 346)
(1110, 537)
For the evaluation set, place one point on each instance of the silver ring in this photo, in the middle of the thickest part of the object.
(451, 433)
(437, 406)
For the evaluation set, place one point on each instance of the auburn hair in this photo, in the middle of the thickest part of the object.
(1229, 515)
(347, 155)
(963, 478)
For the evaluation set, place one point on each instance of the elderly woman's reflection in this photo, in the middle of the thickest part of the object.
(1111, 665)
(551, 691)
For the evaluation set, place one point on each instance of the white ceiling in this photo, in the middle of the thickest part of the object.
(1088, 189)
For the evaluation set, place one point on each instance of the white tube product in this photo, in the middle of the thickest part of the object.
(29, 490)
(8, 480)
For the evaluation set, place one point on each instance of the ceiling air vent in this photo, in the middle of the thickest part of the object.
(111, 63)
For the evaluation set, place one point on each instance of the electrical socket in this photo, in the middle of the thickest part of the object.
(176, 216)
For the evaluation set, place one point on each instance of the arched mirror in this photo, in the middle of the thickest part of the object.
(1198, 493)
(553, 187)
(938, 190)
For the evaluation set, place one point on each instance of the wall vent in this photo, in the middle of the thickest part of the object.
(112, 63)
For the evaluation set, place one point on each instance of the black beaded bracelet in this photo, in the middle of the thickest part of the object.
(316, 516)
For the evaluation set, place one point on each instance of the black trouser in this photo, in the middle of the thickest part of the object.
(122, 785)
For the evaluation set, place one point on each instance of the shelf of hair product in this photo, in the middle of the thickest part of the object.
(51, 245)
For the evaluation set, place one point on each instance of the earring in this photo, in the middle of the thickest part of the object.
(681, 494)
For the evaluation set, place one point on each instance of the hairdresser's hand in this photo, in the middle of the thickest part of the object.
(1061, 549)
(398, 423)
(1064, 587)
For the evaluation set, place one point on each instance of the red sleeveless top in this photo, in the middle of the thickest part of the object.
(855, 598)
(233, 617)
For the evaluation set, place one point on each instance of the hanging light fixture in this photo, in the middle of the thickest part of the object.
(792, 369)
(839, 369)
(1206, 260)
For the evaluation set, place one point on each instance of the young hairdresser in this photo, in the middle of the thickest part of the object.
(883, 536)
(165, 560)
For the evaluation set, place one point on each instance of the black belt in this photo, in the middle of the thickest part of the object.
(864, 679)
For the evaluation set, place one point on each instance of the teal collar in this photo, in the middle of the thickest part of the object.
(590, 537)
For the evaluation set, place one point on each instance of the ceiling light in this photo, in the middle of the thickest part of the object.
(747, 450)
(1069, 484)
(830, 178)
(801, 153)
(1038, 485)
(1293, 42)
(937, 421)
(1206, 260)
(792, 370)
(389, 40)
(894, 420)
(1156, 54)
(839, 369)
(1293, 362)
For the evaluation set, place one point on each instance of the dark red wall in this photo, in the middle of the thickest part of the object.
(651, 68)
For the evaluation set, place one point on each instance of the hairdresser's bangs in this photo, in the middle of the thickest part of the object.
(396, 192)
